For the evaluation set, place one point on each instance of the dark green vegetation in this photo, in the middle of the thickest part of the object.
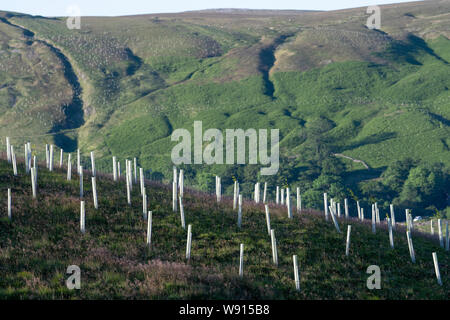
(331, 86)
(43, 239)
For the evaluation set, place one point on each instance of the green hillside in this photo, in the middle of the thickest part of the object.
(121, 85)
(43, 238)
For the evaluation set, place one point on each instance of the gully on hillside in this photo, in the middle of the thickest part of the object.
(74, 111)
(267, 61)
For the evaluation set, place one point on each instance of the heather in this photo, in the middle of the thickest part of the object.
(43, 239)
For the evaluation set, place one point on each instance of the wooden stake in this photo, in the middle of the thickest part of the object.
(347, 246)
(259, 193)
(256, 195)
(78, 160)
(325, 204)
(144, 205)
(181, 183)
(189, 242)
(410, 246)
(82, 216)
(135, 170)
(391, 206)
(218, 189)
(235, 194)
(299, 201)
(33, 182)
(346, 208)
(92, 163)
(9, 204)
(373, 219)
(128, 191)
(441, 238)
(277, 199)
(149, 228)
(296, 275)
(175, 174)
(141, 179)
(69, 167)
(182, 213)
(267, 219)
(80, 171)
(47, 157)
(336, 225)
(27, 158)
(29, 155)
(35, 168)
(391, 235)
(61, 158)
(14, 161)
(240, 211)
(358, 209)
(174, 196)
(27, 168)
(265, 193)
(288, 202)
(377, 213)
(408, 222)
(241, 261)
(436, 268)
(274, 247)
(94, 192)
(114, 168)
(128, 174)
(8, 150)
(50, 164)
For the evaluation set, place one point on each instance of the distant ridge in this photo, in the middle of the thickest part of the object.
(235, 11)
(251, 11)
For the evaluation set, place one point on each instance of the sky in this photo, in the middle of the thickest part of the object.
(128, 7)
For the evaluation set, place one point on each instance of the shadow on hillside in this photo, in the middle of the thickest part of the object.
(373, 139)
(266, 62)
(66, 143)
(354, 177)
(419, 43)
(405, 51)
(136, 62)
(439, 118)
(74, 114)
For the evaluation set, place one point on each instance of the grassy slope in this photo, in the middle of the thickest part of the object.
(26, 71)
(192, 62)
(43, 238)
(385, 92)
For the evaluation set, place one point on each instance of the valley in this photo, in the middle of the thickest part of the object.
(326, 81)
